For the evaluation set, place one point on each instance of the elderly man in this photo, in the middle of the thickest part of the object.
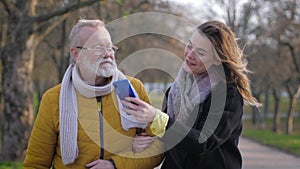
(80, 123)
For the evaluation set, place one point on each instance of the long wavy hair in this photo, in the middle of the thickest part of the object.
(231, 56)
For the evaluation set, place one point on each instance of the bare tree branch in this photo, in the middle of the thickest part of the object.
(3, 35)
(8, 6)
(291, 48)
(67, 9)
(50, 28)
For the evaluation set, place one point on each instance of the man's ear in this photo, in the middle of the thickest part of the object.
(74, 53)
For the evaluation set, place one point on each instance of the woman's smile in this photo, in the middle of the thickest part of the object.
(189, 63)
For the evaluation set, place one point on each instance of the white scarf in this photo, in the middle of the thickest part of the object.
(187, 92)
(68, 110)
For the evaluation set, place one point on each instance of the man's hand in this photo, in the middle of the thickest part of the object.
(100, 164)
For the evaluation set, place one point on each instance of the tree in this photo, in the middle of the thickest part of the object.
(108, 11)
(26, 28)
(287, 13)
(277, 39)
(293, 88)
(140, 42)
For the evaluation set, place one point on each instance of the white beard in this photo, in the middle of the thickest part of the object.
(107, 70)
(93, 69)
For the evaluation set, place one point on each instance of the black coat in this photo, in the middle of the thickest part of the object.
(220, 149)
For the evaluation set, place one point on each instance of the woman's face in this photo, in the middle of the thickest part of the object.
(198, 54)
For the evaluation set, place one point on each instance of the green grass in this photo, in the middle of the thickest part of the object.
(288, 143)
(156, 99)
(11, 165)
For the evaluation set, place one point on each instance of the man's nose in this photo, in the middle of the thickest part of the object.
(109, 53)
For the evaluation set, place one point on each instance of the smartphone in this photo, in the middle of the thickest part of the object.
(124, 89)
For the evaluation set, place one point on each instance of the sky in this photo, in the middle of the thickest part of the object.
(196, 2)
(192, 8)
(196, 8)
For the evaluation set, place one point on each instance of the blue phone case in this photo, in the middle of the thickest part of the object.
(124, 89)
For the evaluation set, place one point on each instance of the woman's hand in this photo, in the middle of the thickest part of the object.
(100, 164)
(141, 142)
(141, 110)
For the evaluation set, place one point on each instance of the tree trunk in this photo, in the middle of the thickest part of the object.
(290, 119)
(62, 64)
(17, 58)
(254, 115)
(256, 119)
(257, 116)
(292, 105)
(266, 103)
(1, 107)
(18, 99)
(25, 31)
(276, 119)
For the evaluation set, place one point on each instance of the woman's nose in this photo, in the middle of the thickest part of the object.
(190, 54)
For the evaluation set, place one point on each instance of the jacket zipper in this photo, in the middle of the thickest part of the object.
(99, 107)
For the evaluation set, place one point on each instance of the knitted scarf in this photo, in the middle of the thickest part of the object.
(187, 92)
(68, 109)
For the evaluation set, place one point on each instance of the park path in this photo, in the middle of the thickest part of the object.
(258, 156)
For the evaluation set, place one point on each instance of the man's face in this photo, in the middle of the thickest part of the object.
(96, 57)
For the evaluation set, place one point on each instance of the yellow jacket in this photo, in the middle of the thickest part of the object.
(44, 145)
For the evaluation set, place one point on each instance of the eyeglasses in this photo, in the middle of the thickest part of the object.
(100, 50)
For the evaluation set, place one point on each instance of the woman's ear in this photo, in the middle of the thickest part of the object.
(218, 61)
(216, 57)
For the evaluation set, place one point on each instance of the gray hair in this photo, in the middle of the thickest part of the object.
(74, 37)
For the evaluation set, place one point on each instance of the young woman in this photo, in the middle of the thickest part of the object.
(203, 108)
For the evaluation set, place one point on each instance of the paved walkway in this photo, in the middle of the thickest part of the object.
(258, 156)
